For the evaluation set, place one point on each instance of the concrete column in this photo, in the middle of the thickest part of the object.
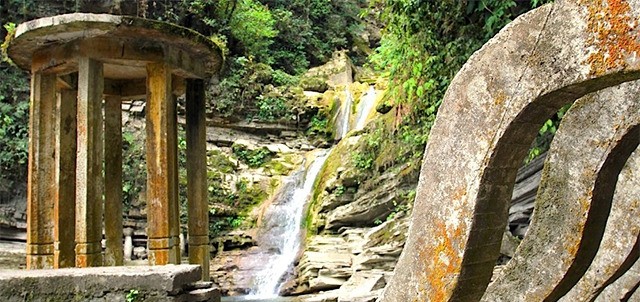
(173, 185)
(197, 177)
(160, 166)
(89, 177)
(113, 181)
(183, 245)
(64, 204)
(41, 188)
(128, 243)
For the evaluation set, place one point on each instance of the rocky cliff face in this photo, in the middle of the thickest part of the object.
(359, 226)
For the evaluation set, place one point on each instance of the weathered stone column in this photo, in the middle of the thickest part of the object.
(197, 177)
(173, 184)
(160, 165)
(89, 164)
(41, 188)
(64, 205)
(113, 181)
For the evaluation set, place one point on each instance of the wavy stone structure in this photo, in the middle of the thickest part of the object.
(574, 200)
(620, 245)
(491, 112)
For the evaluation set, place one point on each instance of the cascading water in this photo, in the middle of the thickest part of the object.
(345, 113)
(283, 220)
(367, 103)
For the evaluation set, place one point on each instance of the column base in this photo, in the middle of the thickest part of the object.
(40, 261)
(176, 250)
(60, 260)
(163, 251)
(200, 254)
(88, 260)
(114, 257)
(88, 254)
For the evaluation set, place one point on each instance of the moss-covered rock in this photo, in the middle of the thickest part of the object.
(317, 84)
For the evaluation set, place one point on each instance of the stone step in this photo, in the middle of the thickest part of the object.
(211, 294)
(166, 283)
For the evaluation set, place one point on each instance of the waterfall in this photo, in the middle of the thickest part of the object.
(367, 103)
(283, 222)
(345, 114)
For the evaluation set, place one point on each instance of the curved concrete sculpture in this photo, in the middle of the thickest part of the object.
(490, 114)
(620, 245)
(574, 198)
(624, 289)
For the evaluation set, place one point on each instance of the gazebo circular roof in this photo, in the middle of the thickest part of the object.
(125, 44)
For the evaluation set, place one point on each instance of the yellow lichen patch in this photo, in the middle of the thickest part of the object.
(500, 99)
(443, 263)
(459, 193)
(572, 244)
(613, 34)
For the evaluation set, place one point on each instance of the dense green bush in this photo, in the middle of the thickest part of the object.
(134, 168)
(271, 108)
(14, 126)
(253, 158)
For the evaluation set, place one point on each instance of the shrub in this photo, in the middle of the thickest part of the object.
(253, 158)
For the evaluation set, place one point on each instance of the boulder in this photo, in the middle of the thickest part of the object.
(368, 207)
(325, 265)
(338, 71)
(382, 245)
(362, 287)
(314, 84)
(332, 201)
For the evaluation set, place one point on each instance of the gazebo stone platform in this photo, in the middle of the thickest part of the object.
(146, 283)
(81, 66)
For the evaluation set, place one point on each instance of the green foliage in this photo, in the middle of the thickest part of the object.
(545, 135)
(132, 295)
(362, 161)
(289, 35)
(403, 204)
(248, 91)
(253, 158)
(134, 171)
(253, 26)
(219, 162)
(397, 209)
(310, 30)
(281, 78)
(424, 45)
(368, 149)
(11, 30)
(271, 108)
(320, 127)
(221, 224)
(244, 198)
(14, 126)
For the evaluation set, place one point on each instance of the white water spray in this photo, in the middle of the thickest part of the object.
(285, 219)
(366, 105)
(345, 113)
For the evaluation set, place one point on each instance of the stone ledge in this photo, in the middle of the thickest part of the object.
(160, 282)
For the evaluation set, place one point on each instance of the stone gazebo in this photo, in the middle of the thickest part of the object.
(82, 64)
